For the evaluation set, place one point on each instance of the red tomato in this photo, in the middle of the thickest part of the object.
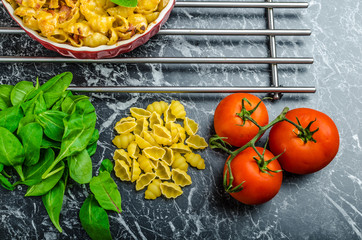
(259, 187)
(228, 124)
(305, 157)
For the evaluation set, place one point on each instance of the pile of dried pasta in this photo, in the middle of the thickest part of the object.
(155, 151)
(86, 22)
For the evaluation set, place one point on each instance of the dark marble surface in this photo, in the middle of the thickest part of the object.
(323, 205)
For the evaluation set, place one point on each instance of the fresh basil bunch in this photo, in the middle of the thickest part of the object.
(47, 134)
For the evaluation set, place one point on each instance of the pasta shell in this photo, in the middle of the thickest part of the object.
(168, 116)
(168, 157)
(170, 190)
(177, 109)
(153, 189)
(190, 126)
(145, 164)
(180, 148)
(196, 142)
(195, 160)
(154, 153)
(180, 162)
(141, 142)
(126, 119)
(136, 170)
(139, 113)
(133, 150)
(125, 127)
(144, 180)
(158, 107)
(161, 134)
(163, 171)
(149, 138)
(121, 154)
(175, 135)
(122, 141)
(155, 118)
(121, 169)
(142, 125)
(181, 132)
(180, 177)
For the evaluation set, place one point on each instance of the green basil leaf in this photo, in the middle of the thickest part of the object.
(54, 88)
(11, 151)
(34, 106)
(47, 184)
(30, 118)
(48, 143)
(3, 104)
(53, 202)
(31, 136)
(20, 91)
(5, 183)
(91, 149)
(79, 128)
(106, 165)
(52, 122)
(126, 3)
(80, 167)
(94, 219)
(5, 92)
(11, 117)
(58, 105)
(106, 192)
(33, 173)
(68, 105)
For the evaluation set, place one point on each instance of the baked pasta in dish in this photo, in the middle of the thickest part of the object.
(86, 22)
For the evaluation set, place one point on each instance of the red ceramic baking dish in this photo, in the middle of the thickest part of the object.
(103, 51)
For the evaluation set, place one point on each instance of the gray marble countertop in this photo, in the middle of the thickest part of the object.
(323, 205)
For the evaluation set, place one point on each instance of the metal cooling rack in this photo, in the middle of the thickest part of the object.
(273, 60)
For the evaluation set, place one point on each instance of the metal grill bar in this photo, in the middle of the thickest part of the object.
(170, 60)
(240, 4)
(243, 4)
(227, 32)
(192, 89)
(273, 60)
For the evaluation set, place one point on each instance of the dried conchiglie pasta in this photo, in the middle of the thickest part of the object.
(161, 134)
(122, 141)
(163, 171)
(125, 127)
(170, 190)
(121, 169)
(145, 164)
(142, 125)
(121, 154)
(126, 119)
(133, 150)
(168, 116)
(153, 189)
(190, 126)
(180, 148)
(139, 113)
(158, 107)
(180, 177)
(154, 153)
(155, 118)
(181, 132)
(180, 162)
(168, 157)
(149, 138)
(135, 170)
(177, 109)
(144, 180)
(175, 135)
(141, 142)
(195, 160)
(196, 142)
